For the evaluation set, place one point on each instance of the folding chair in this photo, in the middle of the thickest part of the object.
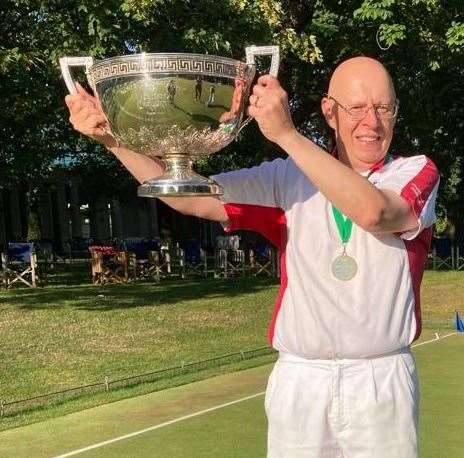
(19, 264)
(171, 259)
(264, 260)
(229, 263)
(459, 256)
(150, 263)
(193, 259)
(109, 265)
(442, 253)
(157, 265)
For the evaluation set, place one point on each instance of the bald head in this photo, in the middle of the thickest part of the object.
(360, 86)
(360, 74)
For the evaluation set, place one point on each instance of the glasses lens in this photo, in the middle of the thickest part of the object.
(357, 112)
(386, 111)
(382, 111)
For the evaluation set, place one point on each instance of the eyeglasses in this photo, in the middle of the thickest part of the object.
(383, 111)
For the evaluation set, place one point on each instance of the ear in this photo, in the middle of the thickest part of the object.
(327, 111)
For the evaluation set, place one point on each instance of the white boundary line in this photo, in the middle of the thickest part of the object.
(437, 337)
(151, 428)
(201, 412)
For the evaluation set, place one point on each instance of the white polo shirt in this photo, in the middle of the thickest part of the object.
(316, 315)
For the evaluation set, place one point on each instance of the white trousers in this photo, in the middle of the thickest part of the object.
(350, 408)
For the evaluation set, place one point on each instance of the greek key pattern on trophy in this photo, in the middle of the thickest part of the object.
(168, 65)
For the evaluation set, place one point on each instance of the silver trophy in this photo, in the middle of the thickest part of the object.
(175, 107)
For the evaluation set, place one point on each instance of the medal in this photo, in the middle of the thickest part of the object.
(344, 267)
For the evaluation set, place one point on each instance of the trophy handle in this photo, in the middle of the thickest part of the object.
(251, 52)
(273, 51)
(87, 62)
(66, 62)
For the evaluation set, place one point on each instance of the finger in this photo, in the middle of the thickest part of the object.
(82, 92)
(96, 120)
(69, 100)
(86, 118)
(72, 99)
(95, 132)
(91, 124)
(252, 111)
(259, 91)
(253, 99)
(268, 81)
(76, 102)
(82, 110)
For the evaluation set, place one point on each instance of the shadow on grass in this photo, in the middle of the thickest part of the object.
(113, 297)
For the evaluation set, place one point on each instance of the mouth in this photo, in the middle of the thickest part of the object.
(368, 138)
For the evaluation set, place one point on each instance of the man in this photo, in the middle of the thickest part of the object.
(353, 228)
(171, 91)
(212, 96)
(198, 88)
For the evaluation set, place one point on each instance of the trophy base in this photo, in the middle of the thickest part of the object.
(196, 186)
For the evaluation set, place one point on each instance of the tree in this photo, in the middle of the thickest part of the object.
(420, 41)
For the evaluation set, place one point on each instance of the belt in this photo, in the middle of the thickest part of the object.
(288, 357)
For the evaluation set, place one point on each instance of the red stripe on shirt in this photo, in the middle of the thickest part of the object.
(272, 224)
(416, 193)
(418, 250)
(268, 221)
(280, 295)
(418, 190)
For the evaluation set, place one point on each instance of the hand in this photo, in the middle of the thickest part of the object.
(237, 99)
(86, 116)
(269, 106)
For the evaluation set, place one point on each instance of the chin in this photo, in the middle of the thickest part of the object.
(371, 157)
(371, 149)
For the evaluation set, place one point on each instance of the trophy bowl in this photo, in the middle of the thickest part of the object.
(176, 107)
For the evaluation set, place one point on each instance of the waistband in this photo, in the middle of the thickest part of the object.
(290, 358)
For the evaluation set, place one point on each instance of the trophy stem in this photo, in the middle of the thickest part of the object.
(178, 167)
(178, 180)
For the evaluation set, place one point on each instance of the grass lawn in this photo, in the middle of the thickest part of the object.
(64, 336)
(230, 423)
(67, 335)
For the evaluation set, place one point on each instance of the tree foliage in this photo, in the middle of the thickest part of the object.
(420, 41)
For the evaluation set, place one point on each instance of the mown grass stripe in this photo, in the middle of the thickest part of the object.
(161, 425)
(195, 414)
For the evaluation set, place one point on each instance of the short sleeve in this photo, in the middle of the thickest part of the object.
(416, 180)
(270, 222)
(252, 200)
(254, 186)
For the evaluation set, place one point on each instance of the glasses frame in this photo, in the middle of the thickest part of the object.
(346, 109)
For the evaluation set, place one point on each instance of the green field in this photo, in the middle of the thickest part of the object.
(224, 416)
(68, 335)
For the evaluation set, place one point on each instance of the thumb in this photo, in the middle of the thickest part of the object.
(82, 91)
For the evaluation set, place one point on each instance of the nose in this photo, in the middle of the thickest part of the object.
(370, 118)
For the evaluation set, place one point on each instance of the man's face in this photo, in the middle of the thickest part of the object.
(365, 141)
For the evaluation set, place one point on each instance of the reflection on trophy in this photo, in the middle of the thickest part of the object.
(176, 107)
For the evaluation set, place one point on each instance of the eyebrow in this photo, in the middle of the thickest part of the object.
(359, 102)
